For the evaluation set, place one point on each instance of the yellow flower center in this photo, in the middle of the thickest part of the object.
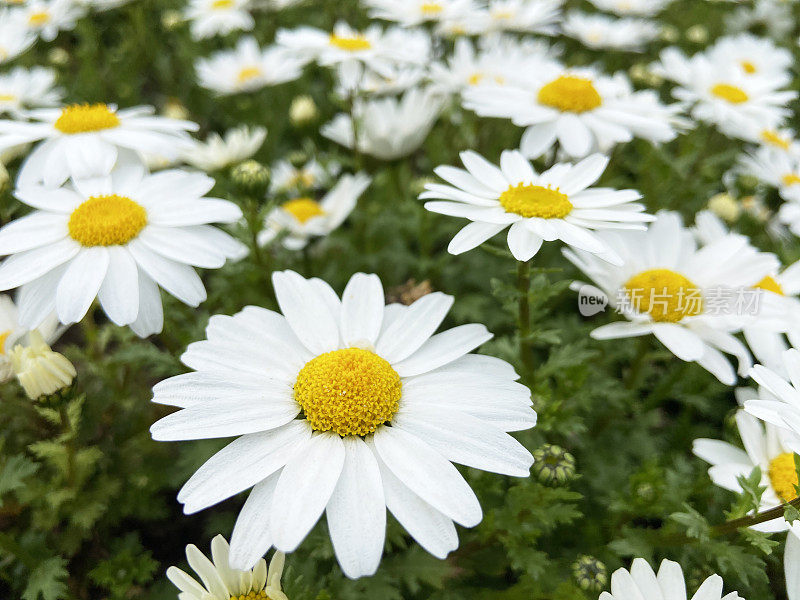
(303, 209)
(535, 201)
(7, 98)
(221, 4)
(502, 15)
(790, 179)
(262, 595)
(107, 221)
(431, 8)
(769, 284)
(748, 67)
(774, 138)
(783, 476)
(83, 118)
(248, 74)
(3, 338)
(730, 93)
(570, 94)
(349, 392)
(665, 295)
(38, 19)
(350, 43)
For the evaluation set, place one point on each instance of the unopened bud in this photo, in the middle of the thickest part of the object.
(590, 574)
(553, 464)
(303, 111)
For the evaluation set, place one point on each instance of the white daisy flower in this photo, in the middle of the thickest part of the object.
(46, 18)
(22, 88)
(347, 407)
(392, 80)
(220, 582)
(541, 16)
(247, 68)
(773, 16)
(632, 8)
(753, 55)
(641, 582)
(725, 95)
(74, 132)
(688, 298)
(776, 168)
(288, 178)
(599, 31)
(116, 238)
(12, 333)
(415, 12)
(763, 448)
(581, 109)
(779, 307)
(304, 218)
(218, 17)
(375, 48)
(778, 401)
(389, 128)
(15, 37)
(555, 205)
(218, 152)
(781, 139)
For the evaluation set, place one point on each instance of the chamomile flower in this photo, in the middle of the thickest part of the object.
(220, 582)
(46, 18)
(778, 401)
(776, 168)
(628, 8)
(773, 16)
(374, 47)
(15, 37)
(763, 448)
(12, 334)
(74, 132)
(541, 16)
(115, 238)
(415, 12)
(347, 407)
(580, 108)
(725, 95)
(600, 31)
(642, 582)
(247, 68)
(303, 218)
(753, 55)
(393, 79)
(693, 300)
(218, 17)
(288, 178)
(389, 128)
(781, 139)
(218, 152)
(555, 205)
(23, 88)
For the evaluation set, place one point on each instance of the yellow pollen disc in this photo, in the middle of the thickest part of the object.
(570, 94)
(790, 179)
(7, 98)
(748, 67)
(38, 19)
(262, 595)
(502, 15)
(83, 118)
(475, 78)
(769, 284)
(774, 138)
(3, 338)
(221, 4)
(535, 201)
(107, 221)
(665, 295)
(351, 44)
(783, 476)
(248, 74)
(349, 392)
(730, 93)
(303, 209)
(431, 8)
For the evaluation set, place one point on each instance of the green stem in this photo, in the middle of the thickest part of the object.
(69, 437)
(639, 361)
(524, 313)
(750, 520)
(357, 158)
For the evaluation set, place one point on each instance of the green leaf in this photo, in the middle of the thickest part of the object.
(47, 580)
(15, 471)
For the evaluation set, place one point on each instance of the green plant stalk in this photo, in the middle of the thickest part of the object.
(524, 314)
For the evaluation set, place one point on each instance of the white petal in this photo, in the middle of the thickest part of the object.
(79, 286)
(251, 535)
(307, 311)
(413, 327)
(23, 268)
(119, 294)
(443, 348)
(362, 310)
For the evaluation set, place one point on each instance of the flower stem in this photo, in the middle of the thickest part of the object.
(524, 314)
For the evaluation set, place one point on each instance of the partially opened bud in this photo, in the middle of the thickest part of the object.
(39, 369)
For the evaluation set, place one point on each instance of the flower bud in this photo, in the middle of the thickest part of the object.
(251, 175)
(725, 206)
(553, 464)
(303, 111)
(590, 574)
(40, 370)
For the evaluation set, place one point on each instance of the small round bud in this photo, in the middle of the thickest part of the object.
(170, 19)
(173, 109)
(251, 175)
(697, 34)
(553, 464)
(303, 111)
(590, 574)
(58, 56)
(670, 34)
(725, 206)
(418, 184)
